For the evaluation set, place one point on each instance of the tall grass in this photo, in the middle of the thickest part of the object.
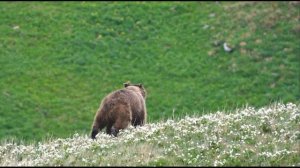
(268, 136)
(59, 59)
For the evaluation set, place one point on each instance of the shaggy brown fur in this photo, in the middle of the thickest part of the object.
(121, 108)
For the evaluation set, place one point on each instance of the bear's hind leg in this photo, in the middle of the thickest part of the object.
(114, 131)
(109, 129)
(119, 124)
(95, 130)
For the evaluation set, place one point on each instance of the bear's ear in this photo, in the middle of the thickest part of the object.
(126, 84)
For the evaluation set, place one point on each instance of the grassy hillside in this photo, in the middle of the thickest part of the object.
(59, 59)
(267, 136)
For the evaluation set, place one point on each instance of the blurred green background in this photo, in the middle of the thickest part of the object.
(59, 59)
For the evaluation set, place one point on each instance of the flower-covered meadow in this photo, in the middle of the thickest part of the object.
(268, 136)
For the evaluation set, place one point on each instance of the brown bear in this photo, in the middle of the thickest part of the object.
(121, 108)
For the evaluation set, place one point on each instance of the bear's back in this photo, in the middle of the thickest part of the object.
(123, 97)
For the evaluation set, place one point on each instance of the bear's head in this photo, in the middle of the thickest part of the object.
(136, 87)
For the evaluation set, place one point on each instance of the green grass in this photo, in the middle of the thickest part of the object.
(59, 59)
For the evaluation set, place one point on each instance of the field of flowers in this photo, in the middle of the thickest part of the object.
(59, 59)
(268, 136)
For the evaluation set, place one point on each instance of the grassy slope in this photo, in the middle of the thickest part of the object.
(267, 136)
(65, 56)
